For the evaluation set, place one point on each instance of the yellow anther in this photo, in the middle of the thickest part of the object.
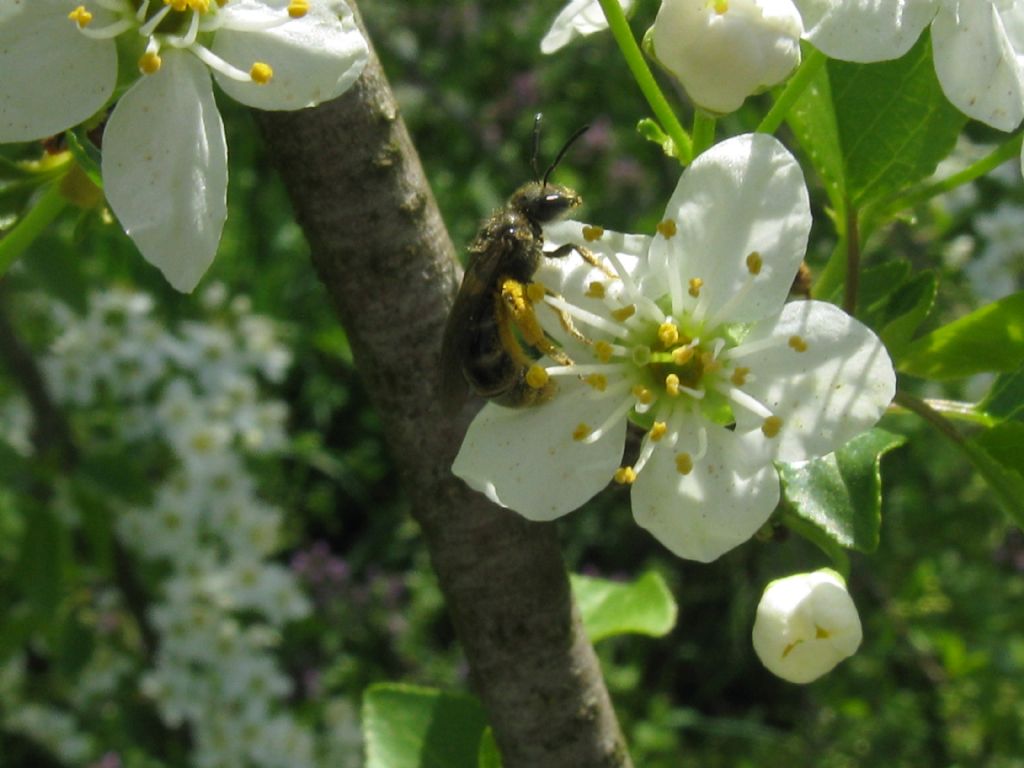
(820, 633)
(658, 430)
(604, 351)
(797, 343)
(739, 376)
(149, 63)
(771, 426)
(592, 233)
(695, 285)
(624, 313)
(581, 432)
(682, 355)
(668, 334)
(672, 385)
(596, 290)
(80, 16)
(261, 73)
(177, 5)
(624, 476)
(684, 463)
(535, 292)
(199, 5)
(643, 394)
(667, 228)
(598, 381)
(537, 377)
(754, 263)
(298, 8)
(721, 6)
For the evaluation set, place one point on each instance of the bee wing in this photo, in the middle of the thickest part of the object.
(474, 300)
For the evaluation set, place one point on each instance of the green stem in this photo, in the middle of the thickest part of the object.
(1002, 153)
(31, 225)
(703, 132)
(645, 79)
(806, 72)
(956, 409)
(852, 260)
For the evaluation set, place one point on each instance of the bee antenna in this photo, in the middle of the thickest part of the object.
(561, 153)
(536, 143)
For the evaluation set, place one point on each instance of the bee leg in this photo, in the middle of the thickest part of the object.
(520, 312)
(564, 319)
(585, 253)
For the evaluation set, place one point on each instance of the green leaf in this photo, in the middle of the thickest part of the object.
(908, 307)
(813, 121)
(841, 493)
(609, 608)
(895, 124)
(411, 727)
(1005, 400)
(987, 451)
(988, 339)
(489, 757)
(45, 553)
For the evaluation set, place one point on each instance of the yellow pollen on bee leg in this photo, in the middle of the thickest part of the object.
(643, 394)
(682, 355)
(581, 432)
(658, 430)
(668, 334)
(739, 376)
(684, 463)
(797, 343)
(598, 381)
(261, 73)
(771, 426)
(592, 233)
(149, 63)
(754, 263)
(537, 377)
(695, 285)
(298, 8)
(604, 351)
(624, 313)
(80, 16)
(535, 292)
(667, 228)
(624, 476)
(672, 385)
(596, 290)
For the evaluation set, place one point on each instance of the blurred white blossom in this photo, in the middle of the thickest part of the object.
(578, 19)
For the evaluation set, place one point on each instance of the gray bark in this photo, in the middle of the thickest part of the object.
(385, 258)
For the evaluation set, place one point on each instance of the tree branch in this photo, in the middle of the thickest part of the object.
(382, 251)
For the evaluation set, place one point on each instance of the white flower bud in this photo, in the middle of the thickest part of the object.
(722, 51)
(806, 624)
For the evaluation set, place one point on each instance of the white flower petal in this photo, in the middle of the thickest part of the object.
(526, 459)
(165, 168)
(977, 51)
(831, 392)
(743, 195)
(717, 506)
(806, 624)
(54, 77)
(571, 275)
(578, 18)
(723, 56)
(314, 58)
(865, 30)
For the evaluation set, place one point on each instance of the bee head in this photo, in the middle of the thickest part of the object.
(544, 203)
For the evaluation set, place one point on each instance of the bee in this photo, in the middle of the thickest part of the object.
(481, 351)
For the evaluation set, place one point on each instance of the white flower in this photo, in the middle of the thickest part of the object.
(693, 340)
(977, 45)
(578, 19)
(164, 159)
(806, 624)
(722, 51)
